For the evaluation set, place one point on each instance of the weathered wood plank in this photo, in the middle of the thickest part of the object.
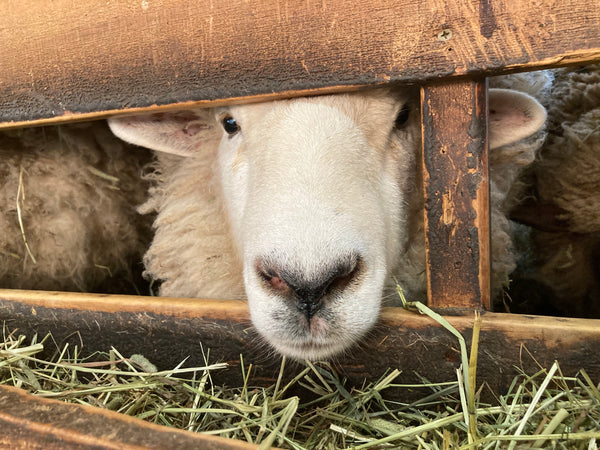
(455, 179)
(168, 330)
(63, 60)
(31, 422)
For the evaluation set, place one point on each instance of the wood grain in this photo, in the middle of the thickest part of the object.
(31, 422)
(63, 60)
(411, 342)
(455, 179)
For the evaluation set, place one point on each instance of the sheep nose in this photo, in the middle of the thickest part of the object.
(308, 292)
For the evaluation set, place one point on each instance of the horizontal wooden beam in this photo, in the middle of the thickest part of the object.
(27, 421)
(65, 60)
(167, 331)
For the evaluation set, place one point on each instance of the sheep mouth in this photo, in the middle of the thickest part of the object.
(311, 350)
(294, 326)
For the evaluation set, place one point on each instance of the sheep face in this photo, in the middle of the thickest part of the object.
(316, 194)
(322, 199)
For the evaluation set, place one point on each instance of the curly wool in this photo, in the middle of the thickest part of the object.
(568, 167)
(191, 224)
(564, 181)
(75, 188)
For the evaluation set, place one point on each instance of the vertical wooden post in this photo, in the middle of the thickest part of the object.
(455, 178)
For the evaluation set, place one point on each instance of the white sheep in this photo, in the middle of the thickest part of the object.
(67, 220)
(309, 207)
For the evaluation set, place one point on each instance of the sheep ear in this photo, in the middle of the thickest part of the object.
(513, 116)
(179, 133)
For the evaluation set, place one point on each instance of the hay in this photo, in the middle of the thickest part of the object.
(21, 199)
(542, 410)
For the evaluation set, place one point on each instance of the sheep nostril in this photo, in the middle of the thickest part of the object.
(308, 293)
(273, 279)
(343, 277)
(277, 283)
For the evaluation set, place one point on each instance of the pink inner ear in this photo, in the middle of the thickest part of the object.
(194, 128)
(509, 115)
(178, 133)
(513, 116)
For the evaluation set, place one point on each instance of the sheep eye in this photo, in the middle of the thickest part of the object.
(230, 125)
(402, 117)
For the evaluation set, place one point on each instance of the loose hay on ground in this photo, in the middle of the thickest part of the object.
(542, 410)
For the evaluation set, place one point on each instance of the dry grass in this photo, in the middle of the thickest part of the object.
(541, 410)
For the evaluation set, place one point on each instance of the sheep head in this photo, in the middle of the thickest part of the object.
(319, 194)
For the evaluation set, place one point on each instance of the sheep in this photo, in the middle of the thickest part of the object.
(309, 207)
(67, 222)
(561, 202)
(506, 164)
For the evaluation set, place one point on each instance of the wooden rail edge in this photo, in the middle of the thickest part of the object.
(168, 330)
(27, 421)
(65, 60)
